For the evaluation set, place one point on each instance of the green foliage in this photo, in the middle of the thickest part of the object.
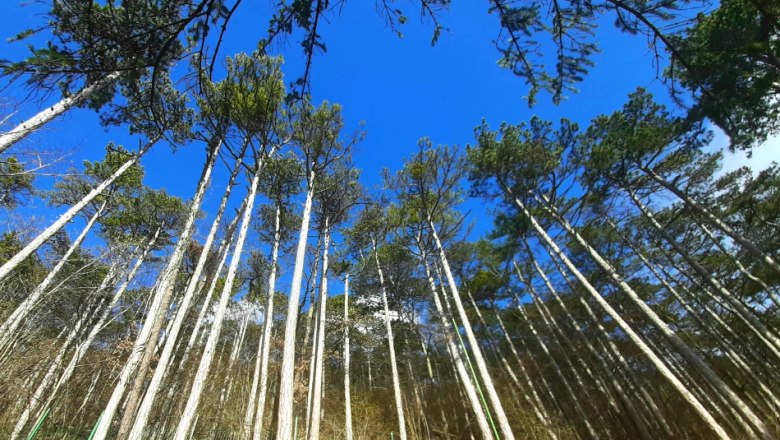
(15, 182)
(519, 157)
(316, 131)
(642, 134)
(74, 187)
(93, 39)
(730, 60)
(141, 216)
(281, 177)
(249, 97)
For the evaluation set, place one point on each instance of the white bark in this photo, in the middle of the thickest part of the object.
(223, 252)
(144, 410)
(286, 383)
(736, 236)
(487, 380)
(538, 403)
(315, 323)
(771, 293)
(582, 416)
(183, 428)
(633, 412)
(319, 372)
(347, 396)
(656, 413)
(11, 324)
(632, 335)
(63, 219)
(47, 381)
(732, 353)
(48, 378)
(143, 346)
(8, 139)
(757, 327)
(391, 346)
(694, 359)
(83, 346)
(259, 412)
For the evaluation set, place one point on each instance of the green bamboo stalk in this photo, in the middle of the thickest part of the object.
(476, 381)
(94, 428)
(38, 424)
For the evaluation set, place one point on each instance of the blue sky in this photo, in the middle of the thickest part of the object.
(401, 89)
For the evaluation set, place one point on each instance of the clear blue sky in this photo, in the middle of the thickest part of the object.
(402, 88)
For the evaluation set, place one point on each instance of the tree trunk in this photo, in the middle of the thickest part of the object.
(259, 412)
(543, 414)
(7, 140)
(632, 335)
(771, 293)
(539, 411)
(143, 349)
(695, 360)
(55, 365)
(183, 428)
(391, 346)
(764, 335)
(582, 416)
(704, 212)
(11, 324)
(286, 383)
(657, 414)
(455, 354)
(347, 396)
(144, 410)
(63, 219)
(495, 401)
(81, 348)
(634, 414)
(319, 372)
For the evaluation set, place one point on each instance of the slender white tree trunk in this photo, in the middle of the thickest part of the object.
(223, 252)
(315, 323)
(7, 140)
(144, 410)
(771, 293)
(183, 428)
(55, 365)
(704, 212)
(632, 335)
(37, 402)
(539, 410)
(732, 353)
(63, 219)
(487, 380)
(694, 359)
(264, 356)
(11, 324)
(143, 347)
(347, 396)
(83, 346)
(626, 400)
(582, 416)
(319, 372)
(391, 346)
(468, 378)
(757, 327)
(656, 413)
(286, 383)
(234, 353)
(542, 413)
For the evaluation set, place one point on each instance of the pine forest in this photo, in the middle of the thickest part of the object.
(201, 241)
